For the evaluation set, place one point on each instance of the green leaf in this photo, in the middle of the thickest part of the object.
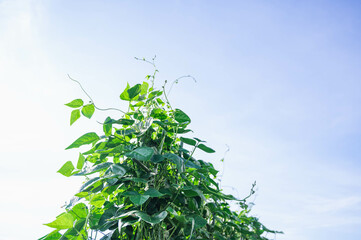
(75, 103)
(67, 169)
(141, 153)
(171, 211)
(130, 193)
(126, 222)
(198, 221)
(199, 140)
(182, 130)
(85, 139)
(139, 104)
(54, 235)
(88, 110)
(80, 210)
(75, 115)
(138, 199)
(181, 218)
(98, 200)
(144, 88)
(191, 164)
(125, 121)
(95, 169)
(125, 95)
(79, 225)
(205, 148)
(208, 190)
(154, 94)
(159, 101)
(157, 218)
(81, 161)
(119, 149)
(134, 91)
(89, 183)
(157, 158)
(193, 191)
(159, 114)
(63, 221)
(142, 95)
(101, 166)
(181, 117)
(176, 160)
(82, 194)
(152, 192)
(117, 170)
(135, 197)
(123, 215)
(188, 141)
(125, 132)
(94, 219)
(75, 233)
(107, 127)
(129, 93)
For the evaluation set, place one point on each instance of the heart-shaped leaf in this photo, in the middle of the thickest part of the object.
(63, 221)
(88, 110)
(98, 200)
(75, 103)
(80, 210)
(75, 115)
(67, 169)
(85, 139)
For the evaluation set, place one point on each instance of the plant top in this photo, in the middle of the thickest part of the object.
(142, 180)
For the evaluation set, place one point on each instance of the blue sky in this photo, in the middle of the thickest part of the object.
(277, 81)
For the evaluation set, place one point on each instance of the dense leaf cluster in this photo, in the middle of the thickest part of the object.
(143, 181)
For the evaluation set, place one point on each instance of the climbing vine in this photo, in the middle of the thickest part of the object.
(143, 180)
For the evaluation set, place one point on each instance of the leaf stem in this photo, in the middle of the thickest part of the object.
(176, 81)
(101, 109)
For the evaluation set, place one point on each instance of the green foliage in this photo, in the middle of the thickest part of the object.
(142, 180)
(67, 169)
(75, 115)
(88, 110)
(75, 103)
(85, 139)
(63, 221)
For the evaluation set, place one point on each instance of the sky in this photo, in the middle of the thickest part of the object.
(278, 82)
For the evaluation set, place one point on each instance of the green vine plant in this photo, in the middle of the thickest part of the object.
(143, 180)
